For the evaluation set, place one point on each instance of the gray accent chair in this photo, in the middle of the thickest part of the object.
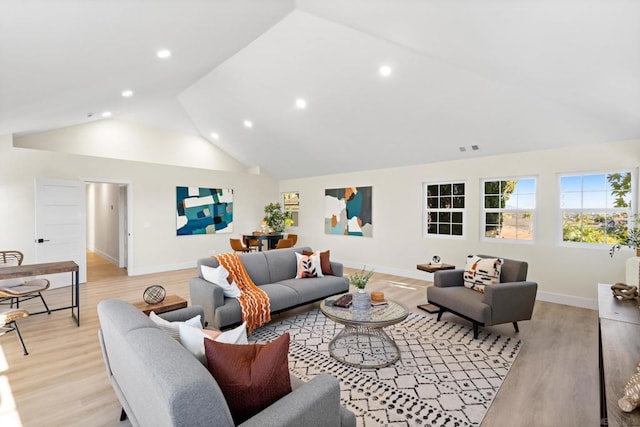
(160, 383)
(511, 300)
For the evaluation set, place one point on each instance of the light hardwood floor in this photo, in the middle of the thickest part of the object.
(553, 382)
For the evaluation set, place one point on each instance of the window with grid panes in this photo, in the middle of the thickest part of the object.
(509, 208)
(445, 205)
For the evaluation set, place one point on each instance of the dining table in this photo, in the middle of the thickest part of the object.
(271, 238)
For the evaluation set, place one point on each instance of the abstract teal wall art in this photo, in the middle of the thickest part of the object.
(348, 211)
(203, 211)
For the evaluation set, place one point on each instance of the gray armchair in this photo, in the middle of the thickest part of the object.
(511, 300)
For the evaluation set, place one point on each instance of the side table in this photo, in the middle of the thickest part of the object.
(430, 268)
(169, 303)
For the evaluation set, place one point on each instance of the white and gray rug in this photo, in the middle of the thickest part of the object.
(444, 376)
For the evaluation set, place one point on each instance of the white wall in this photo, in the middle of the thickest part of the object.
(155, 246)
(564, 274)
(116, 139)
(103, 212)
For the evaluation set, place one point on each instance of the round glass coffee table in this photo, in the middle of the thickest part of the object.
(363, 342)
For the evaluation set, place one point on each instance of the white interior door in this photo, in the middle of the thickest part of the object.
(61, 226)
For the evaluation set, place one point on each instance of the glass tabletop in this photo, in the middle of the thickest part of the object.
(375, 317)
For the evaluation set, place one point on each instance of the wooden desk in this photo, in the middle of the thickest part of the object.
(169, 303)
(272, 239)
(619, 339)
(30, 270)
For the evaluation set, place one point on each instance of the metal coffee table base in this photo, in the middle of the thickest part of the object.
(364, 347)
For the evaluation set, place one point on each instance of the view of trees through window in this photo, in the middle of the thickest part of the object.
(509, 207)
(291, 203)
(595, 208)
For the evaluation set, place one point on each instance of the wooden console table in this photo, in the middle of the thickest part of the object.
(619, 351)
(30, 270)
(169, 303)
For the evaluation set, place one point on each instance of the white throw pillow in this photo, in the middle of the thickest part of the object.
(308, 265)
(219, 276)
(192, 338)
(480, 272)
(173, 328)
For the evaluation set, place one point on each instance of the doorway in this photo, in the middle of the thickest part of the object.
(107, 214)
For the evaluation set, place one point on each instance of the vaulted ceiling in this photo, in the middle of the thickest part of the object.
(503, 75)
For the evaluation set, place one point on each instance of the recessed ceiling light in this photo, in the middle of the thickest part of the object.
(106, 114)
(385, 71)
(248, 123)
(215, 135)
(301, 103)
(163, 53)
(127, 93)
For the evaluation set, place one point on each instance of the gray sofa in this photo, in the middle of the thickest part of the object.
(160, 383)
(509, 301)
(273, 271)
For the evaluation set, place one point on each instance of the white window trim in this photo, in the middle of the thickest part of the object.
(483, 211)
(425, 215)
(635, 205)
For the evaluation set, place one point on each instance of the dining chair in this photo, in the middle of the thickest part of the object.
(17, 290)
(237, 246)
(284, 243)
(293, 238)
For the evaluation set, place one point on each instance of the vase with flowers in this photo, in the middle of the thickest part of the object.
(359, 279)
(630, 238)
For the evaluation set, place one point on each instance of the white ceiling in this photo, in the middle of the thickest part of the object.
(506, 75)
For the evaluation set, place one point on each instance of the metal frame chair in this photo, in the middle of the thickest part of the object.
(8, 324)
(16, 290)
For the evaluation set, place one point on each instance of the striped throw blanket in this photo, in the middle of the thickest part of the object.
(256, 308)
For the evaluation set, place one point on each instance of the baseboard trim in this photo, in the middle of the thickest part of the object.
(162, 268)
(106, 256)
(568, 300)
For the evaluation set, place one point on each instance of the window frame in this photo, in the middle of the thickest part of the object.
(426, 210)
(515, 211)
(295, 213)
(632, 210)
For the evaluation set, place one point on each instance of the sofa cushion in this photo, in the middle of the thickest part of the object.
(480, 272)
(282, 263)
(308, 266)
(192, 338)
(461, 300)
(173, 328)
(316, 288)
(256, 265)
(325, 261)
(220, 276)
(252, 376)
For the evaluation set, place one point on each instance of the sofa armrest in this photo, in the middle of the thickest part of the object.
(183, 314)
(337, 268)
(207, 295)
(511, 302)
(448, 278)
(315, 403)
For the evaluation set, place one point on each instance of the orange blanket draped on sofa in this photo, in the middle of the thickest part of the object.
(256, 308)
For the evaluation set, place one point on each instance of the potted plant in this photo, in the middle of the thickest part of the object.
(359, 279)
(275, 218)
(630, 237)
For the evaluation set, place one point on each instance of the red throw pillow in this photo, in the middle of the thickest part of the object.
(251, 376)
(325, 263)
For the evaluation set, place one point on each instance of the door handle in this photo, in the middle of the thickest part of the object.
(42, 240)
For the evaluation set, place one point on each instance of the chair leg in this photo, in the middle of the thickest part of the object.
(475, 330)
(45, 303)
(123, 415)
(14, 325)
(515, 325)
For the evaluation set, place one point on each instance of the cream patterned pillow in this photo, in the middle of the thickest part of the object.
(480, 272)
(308, 266)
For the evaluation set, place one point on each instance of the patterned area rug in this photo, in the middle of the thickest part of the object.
(444, 376)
